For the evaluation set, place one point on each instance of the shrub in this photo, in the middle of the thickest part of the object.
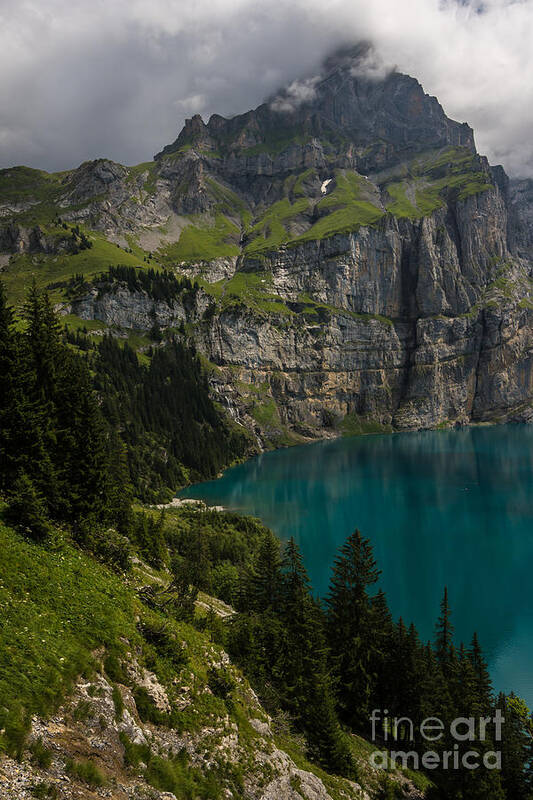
(225, 581)
(45, 791)
(147, 709)
(16, 729)
(177, 776)
(107, 545)
(114, 669)
(118, 702)
(85, 771)
(221, 682)
(164, 642)
(40, 754)
(390, 790)
(83, 711)
(134, 753)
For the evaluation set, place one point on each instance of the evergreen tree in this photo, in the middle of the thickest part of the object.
(55, 444)
(27, 510)
(406, 674)
(9, 394)
(381, 665)
(307, 686)
(444, 647)
(482, 684)
(516, 748)
(465, 690)
(351, 627)
(266, 577)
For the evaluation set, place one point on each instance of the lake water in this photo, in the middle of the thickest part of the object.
(441, 508)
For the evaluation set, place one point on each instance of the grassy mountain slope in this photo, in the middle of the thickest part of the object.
(123, 697)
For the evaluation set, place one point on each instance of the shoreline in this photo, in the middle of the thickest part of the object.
(179, 502)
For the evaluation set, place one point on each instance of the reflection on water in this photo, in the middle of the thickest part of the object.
(440, 507)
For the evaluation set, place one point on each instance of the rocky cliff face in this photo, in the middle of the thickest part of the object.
(358, 262)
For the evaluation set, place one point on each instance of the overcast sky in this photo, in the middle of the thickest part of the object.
(81, 79)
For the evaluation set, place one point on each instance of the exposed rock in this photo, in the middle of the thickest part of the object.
(86, 728)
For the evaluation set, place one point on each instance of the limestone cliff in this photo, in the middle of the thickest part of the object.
(358, 263)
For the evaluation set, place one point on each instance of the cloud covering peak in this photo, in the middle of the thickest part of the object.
(80, 80)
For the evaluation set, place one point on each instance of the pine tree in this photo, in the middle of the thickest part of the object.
(351, 628)
(465, 693)
(266, 577)
(381, 665)
(52, 434)
(44, 340)
(300, 619)
(27, 510)
(444, 647)
(8, 393)
(307, 686)
(516, 747)
(482, 683)
(406, 673)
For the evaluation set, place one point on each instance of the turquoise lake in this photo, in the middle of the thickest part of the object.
(441, 508)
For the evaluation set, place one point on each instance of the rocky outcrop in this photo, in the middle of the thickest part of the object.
(521, 213)
(123, 309)
(24, 239)
(101, 719)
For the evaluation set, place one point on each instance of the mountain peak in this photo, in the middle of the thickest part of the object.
(355, 101)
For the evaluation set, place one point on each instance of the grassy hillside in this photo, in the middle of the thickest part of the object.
(72, 630)
(48, 269)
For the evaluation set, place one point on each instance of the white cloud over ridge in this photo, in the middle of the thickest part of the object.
(82, 79)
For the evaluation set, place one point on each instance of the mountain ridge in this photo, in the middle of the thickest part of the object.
(359, 265)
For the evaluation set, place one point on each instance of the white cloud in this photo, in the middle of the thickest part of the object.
(80, 79)
(296, 93)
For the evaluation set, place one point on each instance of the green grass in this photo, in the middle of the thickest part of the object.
(46, 269)
(316, 308)
(454, 173)
(87, 772)
(348, 208)
(177, 775)
(401, 206)
(149, 167)
(203, 243)
(57, 607)
(228, 202)
(270, 232)
(355, 425)
(275, 433)
(250, 289)
(298, 188)
(267, 415)
(291, 745)
(344, 220)
(344, 210)
(75, 323)
(349, 188)
(19, 184)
